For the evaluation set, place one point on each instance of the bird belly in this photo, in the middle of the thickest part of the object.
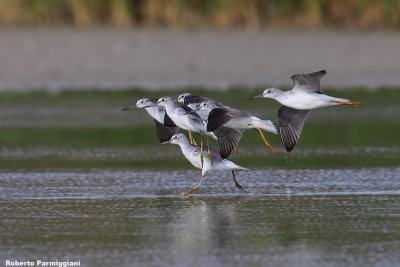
(193, 158)
(156, 113)
(306, 101)
(194, 125)
(180, 121)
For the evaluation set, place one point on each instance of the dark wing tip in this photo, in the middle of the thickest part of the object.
(164, 133)
(193, 99)
(289, 139)
(291, 122)
(228, 140)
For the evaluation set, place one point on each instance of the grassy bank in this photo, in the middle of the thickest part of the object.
(354, 14)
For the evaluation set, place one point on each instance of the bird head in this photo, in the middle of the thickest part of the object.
(182, 96)
(176, 139)
(272, 92)
(165, 100)
(144, 103)
(141, 103)
(207, 105)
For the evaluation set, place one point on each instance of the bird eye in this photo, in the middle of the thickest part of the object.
(269, 91)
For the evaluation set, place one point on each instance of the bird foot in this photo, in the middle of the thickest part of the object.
(353, 104)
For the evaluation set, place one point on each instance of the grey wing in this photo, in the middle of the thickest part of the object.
(228, 139)
(189, 112)
(164, 133)
(217, 118)
(291, 122)
(193, 99)
(308, 82)
(197, 100)
(168, 121)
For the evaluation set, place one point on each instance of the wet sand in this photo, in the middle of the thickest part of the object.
(157, 59)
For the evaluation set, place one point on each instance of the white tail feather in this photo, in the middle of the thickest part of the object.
(266, 125)
(233, 166)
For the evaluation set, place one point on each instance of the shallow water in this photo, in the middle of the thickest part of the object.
(298, 217)
(80, 180)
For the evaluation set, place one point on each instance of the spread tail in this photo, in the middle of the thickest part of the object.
(266, 125)
(232, 166)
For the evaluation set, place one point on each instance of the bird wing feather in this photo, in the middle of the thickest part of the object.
(310, 82)
(168, 121)
(228, 139)
(217, 118)
(164, 133)
(189, 112)
(291, 122)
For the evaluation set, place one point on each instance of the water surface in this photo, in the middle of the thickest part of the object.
(80, 180)
(298, 217)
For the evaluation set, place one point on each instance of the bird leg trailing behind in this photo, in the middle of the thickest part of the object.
(237, 184)
(209, 152)
(201, 152)
(265, 141)
(194, 188)
(191, 139)
(354, 104)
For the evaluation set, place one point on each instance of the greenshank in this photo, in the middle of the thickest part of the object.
(297, 103)
(164, 125)
(193, 154)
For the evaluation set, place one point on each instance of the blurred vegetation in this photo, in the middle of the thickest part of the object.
(339, 14)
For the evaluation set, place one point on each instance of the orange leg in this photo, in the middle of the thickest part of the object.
(354, 104)
(237, 184)
(201, 153)
(190, 138)
(194, 188)
(265, 141)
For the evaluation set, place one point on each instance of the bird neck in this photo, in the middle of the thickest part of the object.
(170, 107)
(185, 146)
(280, 95)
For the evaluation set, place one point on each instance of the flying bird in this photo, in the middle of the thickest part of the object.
(185, 119)
(228, 138)
(236, 119)
(165, 127)
(297, 103)
(194, 101)
(193, 154)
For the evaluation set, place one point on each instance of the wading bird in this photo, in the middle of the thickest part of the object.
(236, 119)
(187, 120)
(193, 155)
(228, 138)
(165, 127)
(297, 103)
(194, 101)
